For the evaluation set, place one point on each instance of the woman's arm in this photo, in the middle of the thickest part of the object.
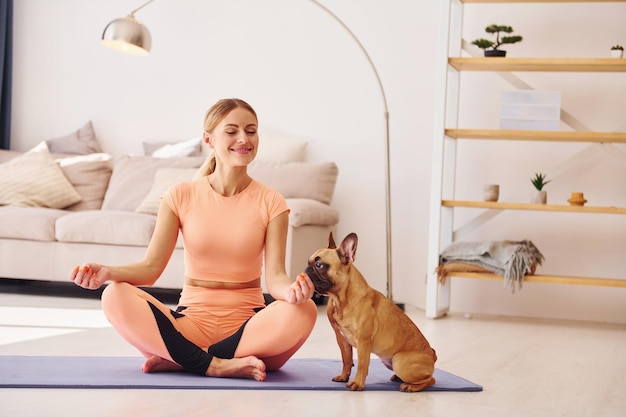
(144, 272)
(279, 285)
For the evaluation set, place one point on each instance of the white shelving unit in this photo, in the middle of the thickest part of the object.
(447, 134)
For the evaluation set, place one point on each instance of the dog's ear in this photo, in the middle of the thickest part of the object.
(348, 248)
(331, 242)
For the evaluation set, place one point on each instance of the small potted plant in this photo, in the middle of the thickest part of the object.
(539, 181)
(617, 51)
(491, 47)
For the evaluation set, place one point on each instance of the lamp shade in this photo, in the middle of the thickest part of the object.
(127, 35)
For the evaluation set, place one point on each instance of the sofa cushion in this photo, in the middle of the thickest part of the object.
(110, 227)
(163, 180)
(81, 142)
(133, 176)
(6, 155)
(28, 223)
(304, 211)
(315, 181)
(34, 179)
(89, 174)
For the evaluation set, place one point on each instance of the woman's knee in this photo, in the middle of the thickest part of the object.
(114, 291)
(303, 315)
(310, 311)
(115, 297)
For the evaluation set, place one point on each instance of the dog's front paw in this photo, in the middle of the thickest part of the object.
(410, 388)
(355, 386)
(341, 378)
(417, 386)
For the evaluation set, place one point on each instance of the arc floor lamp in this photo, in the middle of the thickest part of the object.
(128, 35)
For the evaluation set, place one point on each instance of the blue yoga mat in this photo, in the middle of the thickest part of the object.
(121, 372)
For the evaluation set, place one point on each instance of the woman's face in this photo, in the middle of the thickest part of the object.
(235, 139)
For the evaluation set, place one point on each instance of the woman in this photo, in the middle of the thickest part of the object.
(230, 224)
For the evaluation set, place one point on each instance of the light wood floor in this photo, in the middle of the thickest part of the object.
(527, 368)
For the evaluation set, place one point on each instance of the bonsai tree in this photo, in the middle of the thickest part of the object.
(539, 181)
(485, 44)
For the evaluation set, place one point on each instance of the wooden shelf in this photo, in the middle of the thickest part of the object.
(550, 279)
(539, 64)
(537, 135)
(445, 146)
(532, 207)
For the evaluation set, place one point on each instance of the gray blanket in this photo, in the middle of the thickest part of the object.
(508, 258)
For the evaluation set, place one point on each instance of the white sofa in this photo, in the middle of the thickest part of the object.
(111, 214)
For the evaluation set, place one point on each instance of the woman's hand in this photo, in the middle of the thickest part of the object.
(301, 290)
(90, 276)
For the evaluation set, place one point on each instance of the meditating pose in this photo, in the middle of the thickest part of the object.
(230, 225)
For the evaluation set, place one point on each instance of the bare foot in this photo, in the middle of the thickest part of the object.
(157, 364)
(248, 367)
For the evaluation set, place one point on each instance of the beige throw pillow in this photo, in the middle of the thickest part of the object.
(133, 176)
(163, 180)
(89, 174)
(34, 179)
(81, 142)
(298, 179)
(274, 148)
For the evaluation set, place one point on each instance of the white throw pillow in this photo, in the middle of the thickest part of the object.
(191, 147)
(33, 179)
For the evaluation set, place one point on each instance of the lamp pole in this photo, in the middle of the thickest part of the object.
(131, 36)
(140, 7)
(387, 142)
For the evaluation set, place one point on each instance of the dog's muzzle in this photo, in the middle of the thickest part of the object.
(321, 283)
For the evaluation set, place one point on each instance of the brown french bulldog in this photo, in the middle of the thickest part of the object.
(367, 320)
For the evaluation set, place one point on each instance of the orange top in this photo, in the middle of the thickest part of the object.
(224, 237)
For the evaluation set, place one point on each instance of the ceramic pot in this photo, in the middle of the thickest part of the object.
(617, 53)
(495, 52)
(540, 197)
(577, 199)
(491, 192)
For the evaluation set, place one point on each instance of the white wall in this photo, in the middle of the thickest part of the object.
(308, 80)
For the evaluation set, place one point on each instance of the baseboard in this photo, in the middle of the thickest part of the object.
(68, 289)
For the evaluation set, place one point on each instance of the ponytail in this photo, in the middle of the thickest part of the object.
(207, 167)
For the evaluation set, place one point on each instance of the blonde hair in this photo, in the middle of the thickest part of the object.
(212, 119)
